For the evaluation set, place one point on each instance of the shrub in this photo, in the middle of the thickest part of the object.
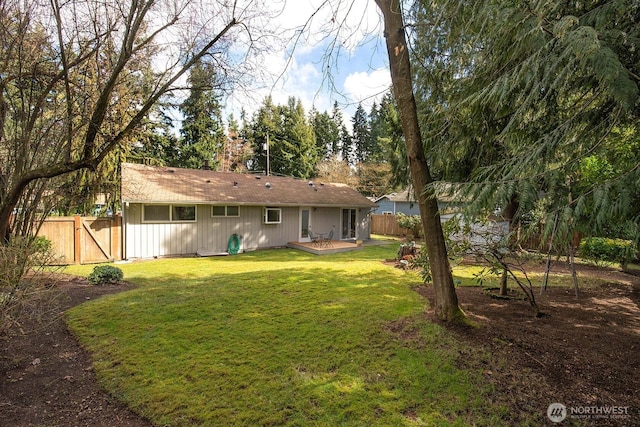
(102, 274)
(410, 222)
(601, 249)
(25, 279)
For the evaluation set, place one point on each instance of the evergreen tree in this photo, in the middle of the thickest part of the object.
(156, 143)
(327, 133)
(377, 131)
(361, 135)
(236, 150)
(295, 152)
(517, 98)
(346, 145)
(391, 142)
(260, 130)
(202, 128)
(290, 137)
(338, 120)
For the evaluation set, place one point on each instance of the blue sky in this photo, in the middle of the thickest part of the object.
(359, 73)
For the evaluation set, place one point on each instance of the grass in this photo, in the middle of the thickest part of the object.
(278, 337)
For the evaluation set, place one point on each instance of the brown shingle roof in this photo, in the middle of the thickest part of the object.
(148, 184)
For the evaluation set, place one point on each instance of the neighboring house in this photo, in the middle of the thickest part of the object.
(394, 203)
(405, 202)
(173, 211)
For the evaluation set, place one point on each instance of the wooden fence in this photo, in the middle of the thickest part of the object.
(387, 225)
(84, 240)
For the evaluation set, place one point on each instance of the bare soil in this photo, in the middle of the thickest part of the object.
(584, 353)
(46, 377)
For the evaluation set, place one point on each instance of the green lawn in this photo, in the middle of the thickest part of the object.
(278, 337)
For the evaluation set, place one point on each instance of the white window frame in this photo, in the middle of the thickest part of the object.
(226, 211)
(171, 219)
(265, 217)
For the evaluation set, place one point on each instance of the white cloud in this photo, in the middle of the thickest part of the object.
(367, 86)
(332, 59)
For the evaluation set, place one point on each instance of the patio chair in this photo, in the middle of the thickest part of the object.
(315, 239)
(327, 240)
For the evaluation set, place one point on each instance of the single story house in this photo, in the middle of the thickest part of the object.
(173, 211)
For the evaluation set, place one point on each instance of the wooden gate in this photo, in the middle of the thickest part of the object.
(84, 240)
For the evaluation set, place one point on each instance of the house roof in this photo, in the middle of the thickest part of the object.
(402, 196)
(150, 184)
(408, 196)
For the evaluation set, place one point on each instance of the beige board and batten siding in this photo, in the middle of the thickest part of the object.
(207, 233)
(204, 188)
(323, 220)
(363, 218)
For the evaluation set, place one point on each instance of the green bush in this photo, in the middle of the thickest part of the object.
(601, 249)
(410, 222)
(102, 274)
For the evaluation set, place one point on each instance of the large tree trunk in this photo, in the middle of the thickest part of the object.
(446, 300)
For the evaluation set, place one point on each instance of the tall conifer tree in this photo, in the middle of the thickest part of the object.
(202, 128)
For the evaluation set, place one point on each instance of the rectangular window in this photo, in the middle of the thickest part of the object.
(155, 213)
(225, 211)
(183, 213)
(218, 211)
(272, 215)
(168, 213)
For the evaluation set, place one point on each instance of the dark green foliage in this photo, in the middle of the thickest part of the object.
(410, 222)
(361, 135)
(534, 104)
(336, 116)
(327, 133)
(291, 138)
(600, 249)
(202, 129)
(102, 274)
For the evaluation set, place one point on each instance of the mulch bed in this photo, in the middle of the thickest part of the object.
(46, 378)
(584, 353)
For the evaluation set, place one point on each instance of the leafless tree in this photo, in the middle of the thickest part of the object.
(77, 77)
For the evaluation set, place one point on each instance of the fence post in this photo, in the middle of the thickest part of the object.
(77, 243)
(116, 233)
